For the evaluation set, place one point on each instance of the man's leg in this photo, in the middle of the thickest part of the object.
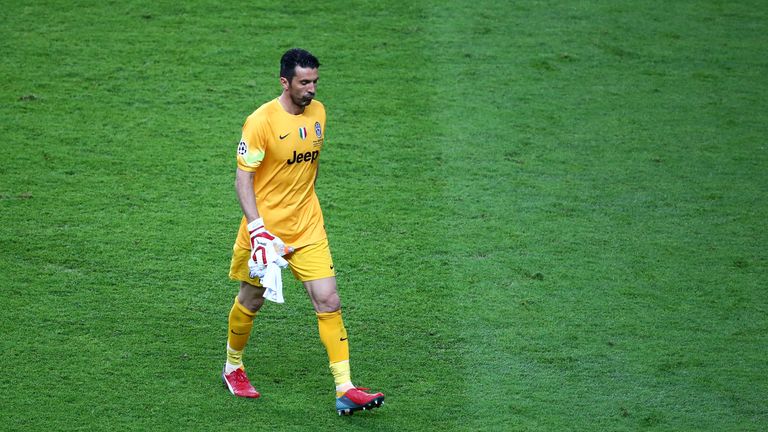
(247, 303)
(333, 334)
(249, 300)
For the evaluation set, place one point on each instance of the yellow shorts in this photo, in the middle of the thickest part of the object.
(307, 263)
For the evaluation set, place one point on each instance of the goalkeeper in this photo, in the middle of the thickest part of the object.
(277, 166)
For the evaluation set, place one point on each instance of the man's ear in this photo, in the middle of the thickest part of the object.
(284, 83)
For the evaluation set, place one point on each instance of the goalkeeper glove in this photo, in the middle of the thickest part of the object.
(265, 248)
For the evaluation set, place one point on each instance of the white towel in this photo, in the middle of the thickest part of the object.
(273, 280)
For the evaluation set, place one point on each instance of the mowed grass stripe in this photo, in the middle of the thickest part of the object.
(474, 93)
(389, 152)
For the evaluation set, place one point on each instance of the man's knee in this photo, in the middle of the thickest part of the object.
(325, 297)
(251, 296)
(328, 303)
(327, 300)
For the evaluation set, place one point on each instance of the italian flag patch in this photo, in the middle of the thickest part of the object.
(303, 132)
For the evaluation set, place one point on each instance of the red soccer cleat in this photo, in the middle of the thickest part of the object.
(356, 399)
(238, 384)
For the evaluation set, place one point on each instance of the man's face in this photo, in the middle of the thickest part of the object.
(302, 87)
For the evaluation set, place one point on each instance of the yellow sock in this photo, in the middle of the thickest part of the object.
(342, 377)
(334, 337)
(238, 332)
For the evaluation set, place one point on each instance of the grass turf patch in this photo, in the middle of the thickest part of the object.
(544, 216)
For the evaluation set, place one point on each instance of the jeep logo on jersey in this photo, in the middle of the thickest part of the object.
(304, 157)
(318, 130)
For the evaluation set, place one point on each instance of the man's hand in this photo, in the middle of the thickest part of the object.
(265, 248)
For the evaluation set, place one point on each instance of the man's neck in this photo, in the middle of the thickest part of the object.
(288, 105)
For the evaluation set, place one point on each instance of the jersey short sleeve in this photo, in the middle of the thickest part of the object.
(253, 144)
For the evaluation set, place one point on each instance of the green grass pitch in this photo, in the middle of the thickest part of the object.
(545, 215)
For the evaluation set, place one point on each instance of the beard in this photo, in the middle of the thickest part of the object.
(302, 101)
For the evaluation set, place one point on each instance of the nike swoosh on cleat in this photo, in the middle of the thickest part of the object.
(236, 333)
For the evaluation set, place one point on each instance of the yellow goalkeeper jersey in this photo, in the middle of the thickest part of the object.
(283, 151)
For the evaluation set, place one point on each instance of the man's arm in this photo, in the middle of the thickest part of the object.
(245, 194)
(265, 246)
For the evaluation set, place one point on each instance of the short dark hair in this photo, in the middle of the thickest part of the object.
(296, 57)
